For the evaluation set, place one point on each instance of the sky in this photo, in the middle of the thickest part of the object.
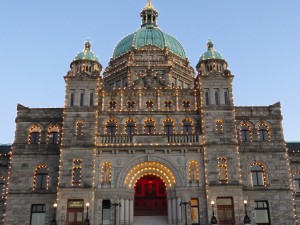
(259, 39)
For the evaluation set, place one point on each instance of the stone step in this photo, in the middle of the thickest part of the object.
(151, 220)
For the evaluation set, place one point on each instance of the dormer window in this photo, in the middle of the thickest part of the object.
(130, 104)
(168, 104)
(112, 105)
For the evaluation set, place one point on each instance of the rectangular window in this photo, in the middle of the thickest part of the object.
(222, 169)
(217, 97)
(91, 99)
(38, 215)
(206, 96)
(226, 96)
(72, 99)
(81, 98)
(77, 167)
(195, 211)
(118, 84)
(262, 216)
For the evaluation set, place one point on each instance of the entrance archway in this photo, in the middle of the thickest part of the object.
(150, 198)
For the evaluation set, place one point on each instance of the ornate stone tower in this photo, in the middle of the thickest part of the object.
(83, 84)
(222, 161)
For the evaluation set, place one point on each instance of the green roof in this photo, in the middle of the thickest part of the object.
(87, 54)
(149, 35)
(211, 53)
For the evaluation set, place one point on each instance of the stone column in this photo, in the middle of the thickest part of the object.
(131, 212)
(174, 209)
(179, 216)
(170, 211)
(122, 211)
(126, 206)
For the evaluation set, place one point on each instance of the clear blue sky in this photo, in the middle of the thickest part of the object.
(259, 39)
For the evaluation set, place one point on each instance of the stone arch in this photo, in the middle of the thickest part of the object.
(158, 164)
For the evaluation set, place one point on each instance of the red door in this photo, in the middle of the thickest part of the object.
(75, 217)
(75, 212)
(225, 211)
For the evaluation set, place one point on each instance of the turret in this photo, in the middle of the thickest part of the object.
(85, 63)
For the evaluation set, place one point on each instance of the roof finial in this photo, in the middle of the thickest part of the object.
(149, 2)
(87, 45)
(210, 45)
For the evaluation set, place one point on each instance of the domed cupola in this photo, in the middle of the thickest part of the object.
(149, 34)
(211, 60)
(149, 15)
(86, 62)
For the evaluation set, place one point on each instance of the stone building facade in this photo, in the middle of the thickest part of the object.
(164, 141)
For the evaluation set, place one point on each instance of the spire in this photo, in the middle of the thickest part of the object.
(149, 15)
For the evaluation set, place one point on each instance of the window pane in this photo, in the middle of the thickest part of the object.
(71, 216)
(38, 219)
(79, 217)
(261, 216)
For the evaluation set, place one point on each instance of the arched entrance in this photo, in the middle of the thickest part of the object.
(151, 182)
(150, 198)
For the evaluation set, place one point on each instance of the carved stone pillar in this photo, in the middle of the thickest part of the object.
(122, 211)
(126, 206)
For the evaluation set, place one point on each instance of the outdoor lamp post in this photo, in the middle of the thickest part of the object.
(184, 203)
(246, 218)
(213, 219)
(53, 222)
(115, 205)
(87, 221)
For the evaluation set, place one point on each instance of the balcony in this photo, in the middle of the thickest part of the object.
(150, 139)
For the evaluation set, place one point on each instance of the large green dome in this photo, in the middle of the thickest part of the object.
(149, 36)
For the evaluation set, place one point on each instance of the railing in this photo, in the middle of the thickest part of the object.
(148, 139)
(189, 138)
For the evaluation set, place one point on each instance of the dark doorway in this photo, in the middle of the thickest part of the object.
(150, 198)
(106, 212)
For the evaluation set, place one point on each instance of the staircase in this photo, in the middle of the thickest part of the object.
(150, 220)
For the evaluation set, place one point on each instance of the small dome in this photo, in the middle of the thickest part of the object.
(87, 54)
(211, 53)
(149, 36)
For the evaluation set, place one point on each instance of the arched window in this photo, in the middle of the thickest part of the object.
(187, 126)
(149, 104)
(79, 128)
(106, 173)
(34, 136)
(258, 175)
(53, 135)
(149, 126)
(112, 105)
(246, 134)
(222, 169)
(76, 172)
(186, 104)
(193, 171)
(168, 104)
(297, 182)
(111, 127)
(130, 104)
(168, 127)
(130, 127)
(263, 132)
(219, 126)
(41, 178)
